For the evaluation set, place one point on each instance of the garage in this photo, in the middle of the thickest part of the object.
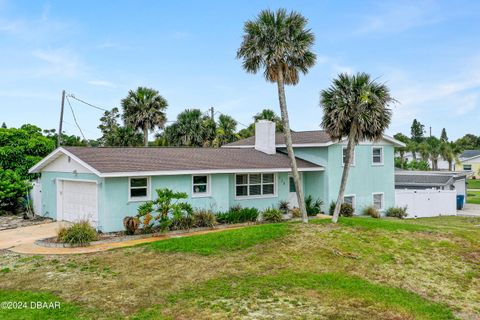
(77, 200)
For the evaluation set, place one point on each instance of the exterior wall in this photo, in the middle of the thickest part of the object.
(364, 177)
(49, 191)
(475, 163)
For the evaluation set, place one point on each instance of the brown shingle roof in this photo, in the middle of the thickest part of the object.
(301, 137)
(108, 160)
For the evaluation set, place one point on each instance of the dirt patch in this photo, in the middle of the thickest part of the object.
(9, 221)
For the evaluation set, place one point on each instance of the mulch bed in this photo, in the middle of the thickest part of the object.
(10, 221)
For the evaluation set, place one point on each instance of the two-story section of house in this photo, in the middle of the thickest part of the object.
(371, 179)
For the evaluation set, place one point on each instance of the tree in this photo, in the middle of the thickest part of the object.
(67, 140)
(417, 131)
(12, 187)
(434, 150)
(449, 152)
(144, 109)
(270, 115)
(192, 129)
(354, 107)
(4, 125)
(443, 136)
(401, 150)
(468, 142)
(226, 128)
(279, 44)
(115, 135)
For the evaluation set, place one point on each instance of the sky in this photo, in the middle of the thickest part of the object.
(427, 52)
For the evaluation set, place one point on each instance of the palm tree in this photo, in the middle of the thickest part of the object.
(354, 107)
(401, 150)
(226, 130)
(144, 109)
(192, 129)
(279, 44)
(449, 152)
(270, 115)
(434, 151)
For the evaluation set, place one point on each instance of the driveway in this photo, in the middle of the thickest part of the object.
(12, 238)
(470, 210)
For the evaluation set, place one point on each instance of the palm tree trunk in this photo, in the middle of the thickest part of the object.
(343, 183)
(288, 142)
(145, 136)
(402, 154)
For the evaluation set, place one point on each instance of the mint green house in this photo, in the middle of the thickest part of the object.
(103, 185)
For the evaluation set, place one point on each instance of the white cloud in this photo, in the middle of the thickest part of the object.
(58, 62)
(102, 83)
(334, 65)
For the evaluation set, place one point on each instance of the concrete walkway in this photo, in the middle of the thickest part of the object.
(469, 210)
(12, 238)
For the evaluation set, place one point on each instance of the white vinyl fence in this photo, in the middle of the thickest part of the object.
(36, 196)
(427, 203)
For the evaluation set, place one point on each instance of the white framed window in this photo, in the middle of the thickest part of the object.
(201, 185)
(378, 201)
(377, 156)
(255, 185)
(350, 199)
(138, 188)
(344, 156)
(467, 167)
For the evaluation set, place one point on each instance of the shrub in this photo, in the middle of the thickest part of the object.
(238, 215)
(204, 218)
(372, 212)
(81, 233)
(346, 209)
(284, 206)
(272, 215)
(296, 213)
(313, 207)
(182, 222)
(12, 188)
(131, 224)
(397, 212)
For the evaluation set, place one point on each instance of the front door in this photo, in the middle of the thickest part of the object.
(292, 193)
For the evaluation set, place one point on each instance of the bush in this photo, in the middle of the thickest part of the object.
(372, 212)
(284, 206)
(238, 215)
(182, 222)
(272, 215)
(296, 213)
(313, 207)
(80, 233)
(204, 218)
(396, 212)
(12, 188)
(346, 209)
(131, 224)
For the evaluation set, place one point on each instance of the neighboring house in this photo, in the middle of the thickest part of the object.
(442, 164)
(106, 184)
(470, 162)
(429, 193)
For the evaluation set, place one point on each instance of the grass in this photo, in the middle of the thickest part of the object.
(473, 197)
(224, 241)
(361, 268)
(473, 184)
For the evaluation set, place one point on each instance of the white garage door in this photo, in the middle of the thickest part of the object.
(78, 201)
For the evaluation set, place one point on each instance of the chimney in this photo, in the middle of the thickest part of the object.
(265, 136)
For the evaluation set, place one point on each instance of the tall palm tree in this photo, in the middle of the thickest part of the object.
(144, 109)
(434, 150)
(270, 115)
(226, 130)
(192, 129)
(279, 44)
(354, 107)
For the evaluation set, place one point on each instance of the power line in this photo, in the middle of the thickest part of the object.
(87, 103)
(75, 119)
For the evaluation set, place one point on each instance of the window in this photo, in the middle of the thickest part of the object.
(255, 184)
(344, 156)
(467, 167)
(377, 155)
(139, 189)
(378, 201)
(201, 186)
(291, 186)
(350, 200)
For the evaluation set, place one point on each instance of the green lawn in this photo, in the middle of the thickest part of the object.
(361, 268)
(473, 197)
(473, 184)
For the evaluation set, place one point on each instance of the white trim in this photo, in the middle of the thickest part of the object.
(275, 186)
(354, 157)
(149, 190)
(199, 172)
(382, 156)
(36, 168)
(354, 200)
(209, 187)
(383, 200)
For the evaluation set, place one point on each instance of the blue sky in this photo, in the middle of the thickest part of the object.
(428, 52)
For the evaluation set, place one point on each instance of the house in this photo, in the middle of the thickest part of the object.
(441, 164)
(429, 193)
(106, 184)
(470, 162)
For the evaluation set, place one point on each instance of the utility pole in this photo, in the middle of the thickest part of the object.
(430, 131)
(61, 120)
(212, 113)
